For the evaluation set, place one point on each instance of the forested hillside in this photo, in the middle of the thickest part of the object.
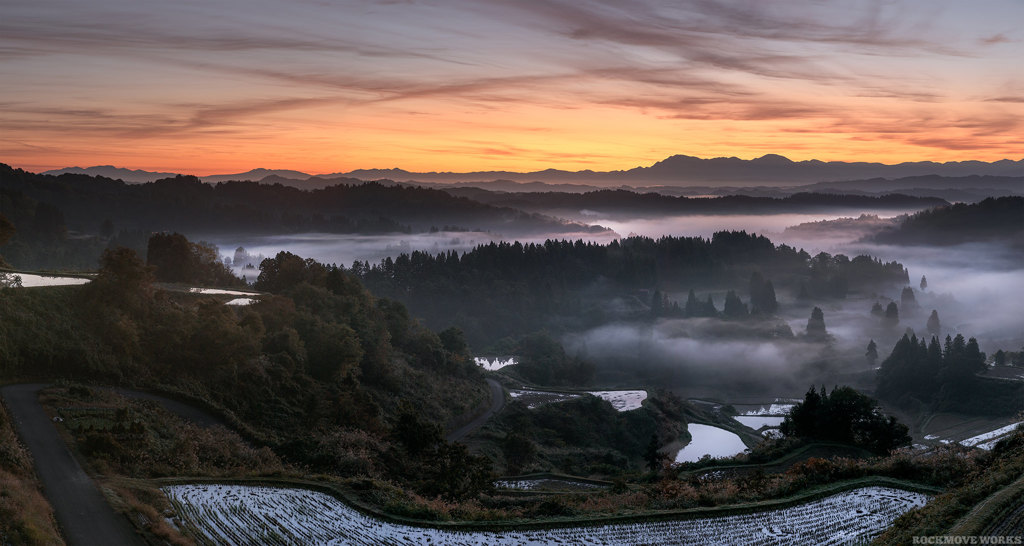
(626, 202)
(44, 206)
(320, 371)
(504, 289)
(992, 220)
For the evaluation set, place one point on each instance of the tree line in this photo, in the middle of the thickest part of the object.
(509, 289)
(944, 375)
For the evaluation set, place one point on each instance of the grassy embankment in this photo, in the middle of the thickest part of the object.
(983, 497)
(25, 515)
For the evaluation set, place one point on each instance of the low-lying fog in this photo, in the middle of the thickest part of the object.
(706, 225)
(343, 249)
(975, 289)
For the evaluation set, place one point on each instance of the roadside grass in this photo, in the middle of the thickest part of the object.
(991, 511)
(25, 515)
(984, 495)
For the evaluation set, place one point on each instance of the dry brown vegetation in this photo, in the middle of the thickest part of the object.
(25, 515)
(139, 439)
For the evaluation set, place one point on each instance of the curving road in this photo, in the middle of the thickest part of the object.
(181, 409)
(497, 402)
(82, 512)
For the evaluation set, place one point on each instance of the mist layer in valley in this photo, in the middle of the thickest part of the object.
(971, 287)
(343, 249)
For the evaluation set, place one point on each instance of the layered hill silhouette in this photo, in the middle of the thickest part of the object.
(185, 204)
(683, 170)
(675, 171)
(627, 204)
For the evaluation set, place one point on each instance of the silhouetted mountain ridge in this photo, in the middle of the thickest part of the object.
(627, 203)
(188, 205)
(674, 171)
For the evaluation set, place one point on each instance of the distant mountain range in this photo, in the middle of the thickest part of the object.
(674, 172)
(624, 204)
(117, 173)
(682, 170)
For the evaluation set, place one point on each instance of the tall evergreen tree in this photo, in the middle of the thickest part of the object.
(709, 308)
(999, 358)
(816, 325)
(847, 416)
(693, 307)
(892, 315)
(756, 285)
(762, 295)
(928, 371)
(657, 304)
(734, 307)
(770, 304)
(907, 300)
(934, 325)
(924, 283)
(872, 353)
(652, 455)
(803, 295)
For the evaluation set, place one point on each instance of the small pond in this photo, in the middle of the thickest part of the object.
(709, 440)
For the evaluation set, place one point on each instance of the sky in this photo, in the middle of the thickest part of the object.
(222, 86)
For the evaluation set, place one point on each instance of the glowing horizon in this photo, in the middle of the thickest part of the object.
(225, 86)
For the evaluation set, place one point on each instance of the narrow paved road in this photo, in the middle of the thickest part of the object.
(497, 402)
(181, 409)
(82, 512)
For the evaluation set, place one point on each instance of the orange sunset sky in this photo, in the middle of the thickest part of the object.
(220, 86)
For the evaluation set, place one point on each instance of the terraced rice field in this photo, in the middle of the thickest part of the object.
(219, 292)
(545, 484)
(756, 421)
(620, 400)
(494, 364)
(988, 440)
(772, 409)
(29, 280)
(242, 301)
(237, 514)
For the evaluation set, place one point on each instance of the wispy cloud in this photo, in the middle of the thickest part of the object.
(994, 39)
(866, 69)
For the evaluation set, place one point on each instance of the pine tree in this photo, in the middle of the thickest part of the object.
(657, 304)
(907, 300)
(804, 295)
(709, 308)
(756, 289)
(892, 315)
(999, 358)
(652, 455)
(924, 283)
(934, 325)
(770, 304)
(762, 296)
(816, 325)
(934, 363)
(872, 353)
(734, 307)
(692, 308)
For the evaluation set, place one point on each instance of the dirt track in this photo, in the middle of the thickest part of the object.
(82, 512)
(497, 402)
